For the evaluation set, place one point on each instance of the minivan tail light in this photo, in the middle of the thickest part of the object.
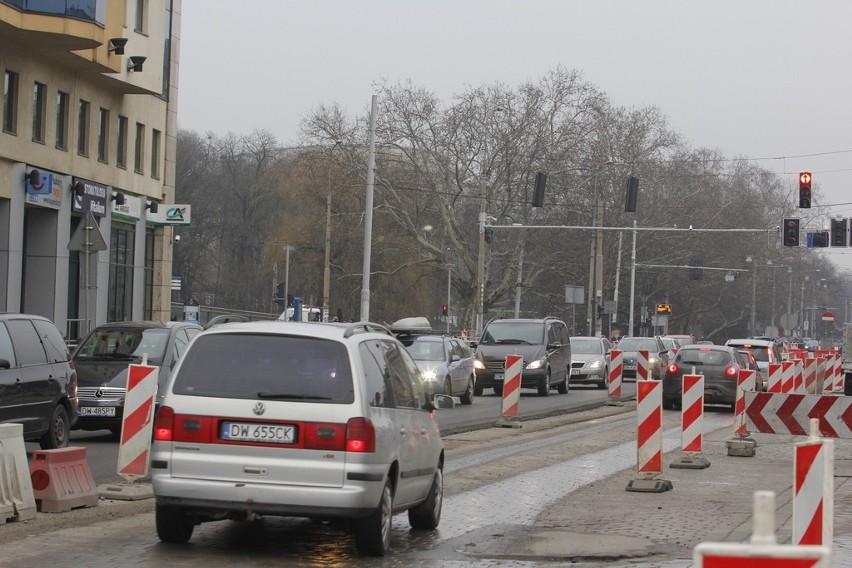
(360, 435)
(731, 371)
(673, 369)
(164, 426)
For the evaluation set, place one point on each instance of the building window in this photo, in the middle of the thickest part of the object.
(10, 102)
(141, 24)
(62, 120)
(148, 308)
(121, 255)
(39, 110)
(140, 148)
(83, 128)
(103, 135)
(121, 153)
(155, 154)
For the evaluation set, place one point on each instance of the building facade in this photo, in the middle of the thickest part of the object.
(87, 159)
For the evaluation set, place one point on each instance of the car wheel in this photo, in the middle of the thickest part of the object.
(604, 383)
(498, 390)
(173, 525)
(544, 384)
(427, 514)
(59, 430)
(565, 385)
(448, 386)
(478, 389)
(467, 395)
(372, 533)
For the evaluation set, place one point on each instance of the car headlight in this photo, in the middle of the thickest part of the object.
(596, 364)
(428, 375)
(536, 364)
(652, 360)
(477, 364)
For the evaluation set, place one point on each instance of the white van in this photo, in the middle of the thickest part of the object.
(309, 313)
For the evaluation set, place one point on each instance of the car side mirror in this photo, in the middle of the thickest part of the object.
(5, 364)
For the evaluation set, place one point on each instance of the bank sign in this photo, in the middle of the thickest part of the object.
(171, 214)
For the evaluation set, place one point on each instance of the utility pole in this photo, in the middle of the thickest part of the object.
(480, 272)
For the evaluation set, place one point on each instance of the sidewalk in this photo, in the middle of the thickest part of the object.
(603, 524)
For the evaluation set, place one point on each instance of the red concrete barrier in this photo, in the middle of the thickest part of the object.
(62, 480)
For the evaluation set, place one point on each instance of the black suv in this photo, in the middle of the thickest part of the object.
(545, 345)
(38, 385)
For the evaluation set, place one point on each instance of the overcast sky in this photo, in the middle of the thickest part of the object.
(769, 80)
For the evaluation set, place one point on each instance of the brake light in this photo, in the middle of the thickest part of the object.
(731, 371)
(360, 436)
(319, 436)
(164, 425)
(673, 369)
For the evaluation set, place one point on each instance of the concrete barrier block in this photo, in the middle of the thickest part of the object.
(17, 502)
(62, 480)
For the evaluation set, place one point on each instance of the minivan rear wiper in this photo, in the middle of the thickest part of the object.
(513, 341)
(286, 396)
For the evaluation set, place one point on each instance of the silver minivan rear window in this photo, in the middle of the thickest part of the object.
(266, 367)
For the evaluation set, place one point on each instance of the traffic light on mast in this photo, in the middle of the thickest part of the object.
(838, 232)
(791, 232)
(445, 310)
(805, 190)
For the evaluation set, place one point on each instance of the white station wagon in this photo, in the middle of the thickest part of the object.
(298, 419)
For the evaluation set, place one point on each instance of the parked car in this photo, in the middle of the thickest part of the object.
(766, 351)
(317, 420)
(446, 363)
(102, 359)
(544, 344)
(38, 385)
(589, 360)
(657, 356)
(720, 365)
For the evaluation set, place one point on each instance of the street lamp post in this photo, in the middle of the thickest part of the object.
(753, 291)
(287, 249)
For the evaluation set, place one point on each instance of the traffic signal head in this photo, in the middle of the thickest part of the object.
(805, 190)
(489, 234)
(838, 233)
(791, 232)
(445, 309)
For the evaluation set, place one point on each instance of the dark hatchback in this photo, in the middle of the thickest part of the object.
(720, 366)
(103, 357)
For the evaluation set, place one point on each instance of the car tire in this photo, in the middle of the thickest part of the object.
(372, 533)
(448, 386)
(467, 395)
(498, 390)
(544, 384)
(173, 525)
(604, 383)
(478, 389)
(58, 431)
(427, 515)
(565, 385)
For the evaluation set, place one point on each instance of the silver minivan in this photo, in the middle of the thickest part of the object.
(298, 419)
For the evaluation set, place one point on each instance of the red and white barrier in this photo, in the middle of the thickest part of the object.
(745, 382)
(649, 414)
(798, 376)
(788, 368)
(790, 413)
(692, 413)
(836, 373)
(810, 375)
(821, 367)
(813, 497)
(616, 370)
(512, 386)
(138, 422)
(762, 550)
(642, 365)
(775, 377)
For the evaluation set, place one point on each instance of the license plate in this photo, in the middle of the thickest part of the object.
(253, 432)
(630, 367)
(498, 377)
(575, 371)
(96, 411)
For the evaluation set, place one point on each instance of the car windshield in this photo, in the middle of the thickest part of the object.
(760, 353)
(249, 366)
(704, 357)
(124, 343)
(637, 344)
(586, 346)
(529, 333)
(669, 343)
(427, 350)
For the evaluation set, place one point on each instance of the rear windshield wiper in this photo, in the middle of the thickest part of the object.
(514, 341)
(285, 396)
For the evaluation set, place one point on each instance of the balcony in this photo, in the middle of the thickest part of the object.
(85, 10)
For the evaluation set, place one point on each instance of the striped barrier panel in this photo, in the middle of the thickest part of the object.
(813, 485)
(649, 415)
(790, 413)
(787, 370)
(775, 377)
(616, 369)
(137, 425)
(798, 377)
(692, 413)
(512, 386)
(810, 375)
(745, 382)
(642, 365)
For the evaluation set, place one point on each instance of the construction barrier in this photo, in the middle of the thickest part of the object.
(616, 369)
(819, 388)
(692, 423)
(797, 354)
(649, 447)
(788, 369)
(813, 497)
(790, 413)
(61, 480)
(762, 550)
(836, 372)
(775, 380)
(810, 375)
(512, 386)
(137, 425)
(17, 502)
(798, 376)
(642, 365)
(745, 382)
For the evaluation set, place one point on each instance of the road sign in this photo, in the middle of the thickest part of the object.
(87, 236)
(827, 316)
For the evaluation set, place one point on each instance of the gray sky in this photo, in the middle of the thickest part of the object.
(769, 80)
